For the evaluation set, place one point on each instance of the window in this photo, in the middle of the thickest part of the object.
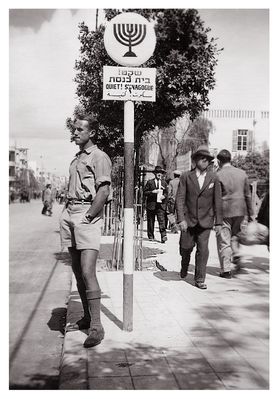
(242, 140)
(12, 156)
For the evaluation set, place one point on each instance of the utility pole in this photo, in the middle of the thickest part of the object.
(96, 19)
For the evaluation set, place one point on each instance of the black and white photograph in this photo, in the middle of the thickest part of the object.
(139, 197)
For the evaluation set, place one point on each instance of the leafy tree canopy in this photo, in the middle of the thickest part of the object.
(255, 164)
(185, 59)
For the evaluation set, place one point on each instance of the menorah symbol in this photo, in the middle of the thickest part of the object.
(130, 35)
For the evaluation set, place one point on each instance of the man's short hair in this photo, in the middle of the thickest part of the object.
(224, 156)
(91, 119)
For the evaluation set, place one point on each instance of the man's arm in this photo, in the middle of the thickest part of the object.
(180, 202)
(248, 199)
(218, 202)
(99, 200)
(152, 194)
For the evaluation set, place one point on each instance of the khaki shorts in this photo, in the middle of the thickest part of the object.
(74, 233)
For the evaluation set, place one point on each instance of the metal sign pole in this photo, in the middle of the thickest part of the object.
(128, 261)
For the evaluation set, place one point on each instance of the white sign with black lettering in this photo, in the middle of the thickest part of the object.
(127, 83)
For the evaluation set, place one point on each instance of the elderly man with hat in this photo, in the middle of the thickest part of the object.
(156, 192)
(172, 191)
(199, 208)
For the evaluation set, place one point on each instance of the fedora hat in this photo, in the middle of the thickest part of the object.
(202, 151)
(158, 169)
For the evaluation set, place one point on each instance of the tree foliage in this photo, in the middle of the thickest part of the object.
(185, 59)
(179, 138)
(196, 134)
(255, 164)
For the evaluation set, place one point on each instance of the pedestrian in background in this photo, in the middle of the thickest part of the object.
(199, 207)
(47, 199)
(237, 203)
(156, 192)
(172, 191)
(263, 214)
(81, 221)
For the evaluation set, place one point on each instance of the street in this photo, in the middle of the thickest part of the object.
(40, 278)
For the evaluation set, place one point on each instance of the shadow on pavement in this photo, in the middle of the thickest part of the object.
(146, 367)
(77, 309)
(257, 263)
(175, 276)
(57, 321)
(63, 257)
(39, 381)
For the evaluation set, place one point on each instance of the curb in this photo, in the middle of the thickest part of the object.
(73, 366)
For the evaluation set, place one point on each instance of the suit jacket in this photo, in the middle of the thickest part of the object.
(236, 193)
(151, 198)
(173, 187)
(199, 206)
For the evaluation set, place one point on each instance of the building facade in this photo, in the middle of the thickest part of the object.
(239, 131)
(18, 161)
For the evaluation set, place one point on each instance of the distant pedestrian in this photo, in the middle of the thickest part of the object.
(237, 203)
(156, 192)
(199, 207)
(263, 214)
(12, 196)
(172, 191)
(81, 221)
(47, 199)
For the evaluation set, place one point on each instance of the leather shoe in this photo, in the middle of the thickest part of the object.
(95, 337)
(183, 272)
(225, 274)
(202, 286)
(163, 239)
(82, 324)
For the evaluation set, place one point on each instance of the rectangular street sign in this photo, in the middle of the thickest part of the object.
(129, 83)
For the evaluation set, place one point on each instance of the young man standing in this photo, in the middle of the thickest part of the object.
(199, 207)
(81, 221)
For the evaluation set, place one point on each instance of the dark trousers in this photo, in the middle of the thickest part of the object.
(198, 236)
(47, 208)
(160, 213)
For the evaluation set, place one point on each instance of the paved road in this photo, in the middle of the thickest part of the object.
(39, 287)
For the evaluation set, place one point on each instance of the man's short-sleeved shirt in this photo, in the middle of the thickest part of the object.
(90, 168)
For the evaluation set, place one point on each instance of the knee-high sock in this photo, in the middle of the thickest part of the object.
(93, 299)
(82, 292)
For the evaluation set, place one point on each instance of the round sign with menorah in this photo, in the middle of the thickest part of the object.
(129, 39)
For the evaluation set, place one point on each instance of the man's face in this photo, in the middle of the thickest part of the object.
(202, 163)
(82, 133)
(159, 176)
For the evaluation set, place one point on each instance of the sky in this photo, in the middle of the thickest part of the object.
(44, 46)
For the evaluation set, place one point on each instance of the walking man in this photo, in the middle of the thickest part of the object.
(237, 203)
(81, 221)
(156, 192)
(47, 199)
(172, 191)
(199, 207)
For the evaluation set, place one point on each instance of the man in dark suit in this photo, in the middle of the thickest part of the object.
(199, 207)
(156, 191)
(237, 203)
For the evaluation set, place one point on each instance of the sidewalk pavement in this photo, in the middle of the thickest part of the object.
(183, 337)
